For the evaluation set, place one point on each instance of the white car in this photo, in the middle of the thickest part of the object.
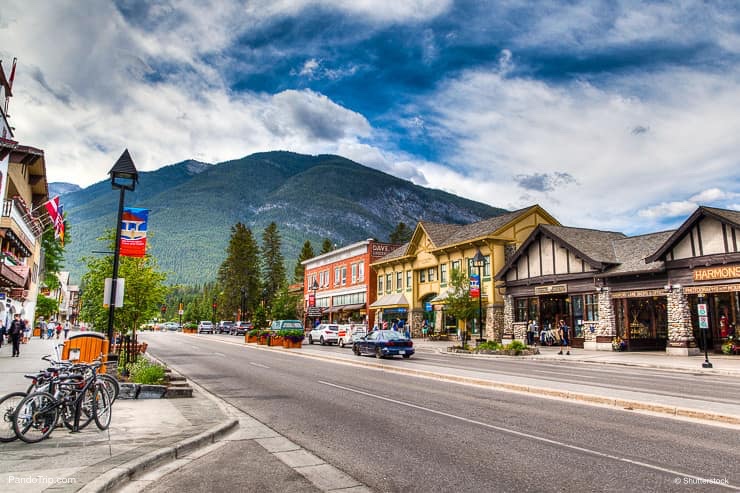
(324, 334)
(205, 326)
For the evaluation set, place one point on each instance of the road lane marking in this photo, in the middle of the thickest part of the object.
(535, 437)
(260, 365)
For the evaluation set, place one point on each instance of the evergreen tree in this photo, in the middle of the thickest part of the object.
(306, 253)
(326, 246)
(144, 289)
(401, 234)
(239, 271)
(273, 268)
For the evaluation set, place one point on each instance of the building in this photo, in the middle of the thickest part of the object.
(413, 280)
(344, 282)
(23, 189)
(644, 290)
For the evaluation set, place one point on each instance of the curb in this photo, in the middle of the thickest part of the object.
(117, 476)
(624, 404)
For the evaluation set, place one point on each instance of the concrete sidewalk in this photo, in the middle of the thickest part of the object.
(142, 433)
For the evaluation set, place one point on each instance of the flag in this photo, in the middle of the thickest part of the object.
(59, 224)
(133, 232)
(52, 207)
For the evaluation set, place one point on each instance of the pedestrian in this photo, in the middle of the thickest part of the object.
(530, 333)
(425, 330)
(564, 337)
(16, 333)
(50, 329)
(66, 329)
(59, 329)
(2, 334)
(26, 331)
(385, 324)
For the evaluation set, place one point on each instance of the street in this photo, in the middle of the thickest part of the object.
(401, 433)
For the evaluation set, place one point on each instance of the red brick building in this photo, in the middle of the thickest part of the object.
(345, 283)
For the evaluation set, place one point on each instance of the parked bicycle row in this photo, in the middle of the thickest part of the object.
(66, 394)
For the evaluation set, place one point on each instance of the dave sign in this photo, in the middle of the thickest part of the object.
(474, 286)
(133, 232)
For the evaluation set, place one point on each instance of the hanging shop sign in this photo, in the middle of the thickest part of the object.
(553, 289)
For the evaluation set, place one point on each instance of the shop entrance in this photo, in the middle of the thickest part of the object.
(552, 310)
(642, 322)
(724, 312)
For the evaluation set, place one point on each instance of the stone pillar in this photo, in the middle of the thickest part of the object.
(506, 326)
(416, 320)
(681, 340)
(606, 329)
(439, 321)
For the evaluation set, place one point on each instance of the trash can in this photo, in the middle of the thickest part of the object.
(86, 347)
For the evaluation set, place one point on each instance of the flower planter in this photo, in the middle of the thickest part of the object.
(250, 339)
(262, 340)
(292, 344)
(276, 341)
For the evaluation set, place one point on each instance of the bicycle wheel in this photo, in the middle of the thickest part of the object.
(35, 417)
(102, 407)
(111, 385)
(87, 412)
(8, 404)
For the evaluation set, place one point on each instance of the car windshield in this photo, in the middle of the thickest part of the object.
(292, 325)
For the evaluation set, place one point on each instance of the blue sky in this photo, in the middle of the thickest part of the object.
(618, 115)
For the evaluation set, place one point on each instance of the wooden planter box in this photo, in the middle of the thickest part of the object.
(189, 331)
(276, 341)
(262, 340)
(250, 339)
(290, 344)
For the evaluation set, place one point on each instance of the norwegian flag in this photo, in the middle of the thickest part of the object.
(56, 214)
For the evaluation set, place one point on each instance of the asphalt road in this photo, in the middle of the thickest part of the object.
(399, 433)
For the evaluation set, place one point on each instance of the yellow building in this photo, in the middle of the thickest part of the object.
(413, 280)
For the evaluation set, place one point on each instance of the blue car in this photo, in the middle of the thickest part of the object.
(382, 343)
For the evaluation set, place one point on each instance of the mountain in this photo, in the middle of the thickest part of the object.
(60, 188)
(193, 206)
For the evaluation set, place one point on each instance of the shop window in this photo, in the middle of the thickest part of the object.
(591, 311)
(526, 309)
(577, 307)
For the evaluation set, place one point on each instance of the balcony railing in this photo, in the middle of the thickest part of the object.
(15, 215)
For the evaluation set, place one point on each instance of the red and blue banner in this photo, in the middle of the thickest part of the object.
(474, 286)
(133, 232)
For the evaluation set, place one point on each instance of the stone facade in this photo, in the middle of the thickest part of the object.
(606, 328)
(416, 320)
(680, 334)
(507, 315)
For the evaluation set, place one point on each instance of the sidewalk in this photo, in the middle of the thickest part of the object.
(721, 363)
(141, 432)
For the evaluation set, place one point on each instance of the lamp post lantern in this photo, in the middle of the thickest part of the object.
(479, 261)
(123, 176)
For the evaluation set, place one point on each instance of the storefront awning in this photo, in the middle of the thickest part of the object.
(442, 297)
(352, 308)
(391, 300)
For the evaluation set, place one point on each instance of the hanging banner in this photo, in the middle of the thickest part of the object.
(133, 232)
(474, 286)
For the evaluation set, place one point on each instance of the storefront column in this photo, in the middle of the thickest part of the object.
(507, 325)
(681, 340)
(605, 330)
(416, 320)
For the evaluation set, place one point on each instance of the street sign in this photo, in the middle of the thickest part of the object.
(702, 309)
(703, 322)
(314, 311)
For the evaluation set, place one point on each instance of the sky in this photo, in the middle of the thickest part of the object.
(614, 115)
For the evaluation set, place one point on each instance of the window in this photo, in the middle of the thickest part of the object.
(456, 265)
(336, 276)
(592, 307)
(344, 275)
(526, 309)
(408, 280)
(472, 269)
(361, 271)
(326, 278)
(380, 284)
(354, 273)
(487, 267)
(399, 280)
(388, 281)
(422, 276)
(430, 273)
(443, 273)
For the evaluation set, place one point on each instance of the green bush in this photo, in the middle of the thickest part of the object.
(294, 335)
(146, 372)
(489, 346)
(516, 346)
(254, 332)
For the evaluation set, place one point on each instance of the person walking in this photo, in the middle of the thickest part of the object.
(564, 337)
(17, 328)
(2, 334)
(66, 329)
(59, 329)
(50, 329)
(425, 330)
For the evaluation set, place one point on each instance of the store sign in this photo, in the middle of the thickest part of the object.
(382, 249)
(314, 311)
(721, 288)
(643, 293)
(312, 299)
(554, 289)
(716, 273)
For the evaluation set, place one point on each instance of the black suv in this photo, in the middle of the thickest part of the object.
(224, 326)
(241, 328)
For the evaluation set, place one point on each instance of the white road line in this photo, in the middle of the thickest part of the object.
(678, 474)
(260, 365)
(219, 354)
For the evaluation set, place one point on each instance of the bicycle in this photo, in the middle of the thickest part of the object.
(37, 414)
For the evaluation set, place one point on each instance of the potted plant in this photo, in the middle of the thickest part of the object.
(264, 335)
(253, 335)
(292, 338)
(618, 344)
(275, 339)
(190, 328)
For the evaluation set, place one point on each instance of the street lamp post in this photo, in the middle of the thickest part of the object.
(179, 311)
(124, 177)
(244, 303)
(479, 261)
(213, 305)
(314, 288)
(704, 327)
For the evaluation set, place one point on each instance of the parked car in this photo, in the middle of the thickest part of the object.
(224, 326)
(205, 327)
(285, 324)
(382, 343)
(171, 326)
(241, 328)
(349, 333)
(325, 334)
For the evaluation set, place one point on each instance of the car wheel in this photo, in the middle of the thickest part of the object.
(310, 339)
(341, 343)
(378, 353)
(406, 356)
(356, 350)
(322, 341)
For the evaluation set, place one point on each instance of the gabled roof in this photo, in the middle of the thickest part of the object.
(729, 217)
(439, 233)
(632, 252)
(486, 227)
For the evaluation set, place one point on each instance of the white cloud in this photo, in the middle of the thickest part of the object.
(668, 209)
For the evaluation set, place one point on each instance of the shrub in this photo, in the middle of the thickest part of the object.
(146, 372)
(264, 333)
(254, 332)
(489, 346)
(293, 335)
(516, 346)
